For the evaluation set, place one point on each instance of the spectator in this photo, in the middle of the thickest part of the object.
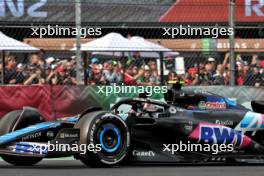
(21, 73)
(50, 74)
(63, 74)
(10, 70)
(94, 61)
(253, 78)
(111, 73)
(169, 63)
(192, 78)
(136, 60)
(212, 63)
(154, 76)
(218, 77)
(35, 76)
(35, 60)
(95, 76)
(205, 76)
(132, 74)
(50, 61)
(227, 77)
(145, 79)
(172, 77)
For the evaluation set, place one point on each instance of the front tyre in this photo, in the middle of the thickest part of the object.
(110, 136)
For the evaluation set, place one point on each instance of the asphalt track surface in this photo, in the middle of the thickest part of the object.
(72, 168)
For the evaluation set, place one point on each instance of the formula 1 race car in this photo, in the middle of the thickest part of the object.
(139, 130)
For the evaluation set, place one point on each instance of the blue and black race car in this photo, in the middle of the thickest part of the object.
(138, 130)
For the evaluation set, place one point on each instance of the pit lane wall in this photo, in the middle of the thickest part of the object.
(62, 101)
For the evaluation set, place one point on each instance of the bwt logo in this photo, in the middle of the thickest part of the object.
(220, 135)
(256, 7)
(17, 8)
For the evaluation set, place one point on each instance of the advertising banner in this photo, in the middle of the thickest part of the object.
(130, 11)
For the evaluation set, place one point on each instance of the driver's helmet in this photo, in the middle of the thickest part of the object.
(133, 109)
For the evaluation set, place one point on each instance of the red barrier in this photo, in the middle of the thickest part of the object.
(62, 101)
(69, 100)
(51, 101)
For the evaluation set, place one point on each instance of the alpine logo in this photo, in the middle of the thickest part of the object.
(251, 122)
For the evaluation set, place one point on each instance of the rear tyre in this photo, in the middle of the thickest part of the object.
(10, 122)
(109, 135)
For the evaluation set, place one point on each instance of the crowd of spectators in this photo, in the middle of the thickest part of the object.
(215, 73)
(38, 71)
(130, 71)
